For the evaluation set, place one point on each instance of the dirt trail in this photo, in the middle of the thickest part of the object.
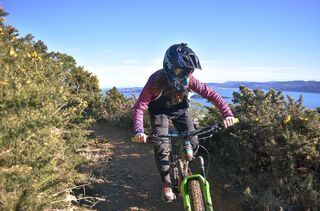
(128, 181)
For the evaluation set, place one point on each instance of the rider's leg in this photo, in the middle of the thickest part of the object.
(183, 122)
(160, 126)
(162, 149)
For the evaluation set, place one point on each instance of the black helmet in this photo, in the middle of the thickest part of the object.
(180, 56)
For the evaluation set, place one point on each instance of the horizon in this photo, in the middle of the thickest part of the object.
(294, 92)
(257, 41)
(222, 83)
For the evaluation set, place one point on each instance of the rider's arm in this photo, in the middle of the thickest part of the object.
(212, 96)
(139, 107)
(148, 93)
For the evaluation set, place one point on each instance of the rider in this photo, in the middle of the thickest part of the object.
(165, 95)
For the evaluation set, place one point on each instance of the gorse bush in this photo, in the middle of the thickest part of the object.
(272, 156)
(86, 86)
(83, 86)
(44, 110)
(118, 108)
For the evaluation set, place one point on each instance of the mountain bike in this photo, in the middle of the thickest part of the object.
(193, 187)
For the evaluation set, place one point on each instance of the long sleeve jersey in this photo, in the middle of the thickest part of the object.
(155, 89)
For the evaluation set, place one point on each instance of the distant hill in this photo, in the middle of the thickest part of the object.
(299, 86)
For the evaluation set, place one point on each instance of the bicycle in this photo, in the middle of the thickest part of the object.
(194, 188)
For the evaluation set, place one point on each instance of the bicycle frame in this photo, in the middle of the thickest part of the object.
(178, 160)
(183, 166)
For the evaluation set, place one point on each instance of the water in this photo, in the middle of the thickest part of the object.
(310, 100)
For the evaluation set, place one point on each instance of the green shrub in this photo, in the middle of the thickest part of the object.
(118, 108)
(42, 124)
(272, 156)
(83, 86)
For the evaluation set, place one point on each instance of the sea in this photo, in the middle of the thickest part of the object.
(310, 100)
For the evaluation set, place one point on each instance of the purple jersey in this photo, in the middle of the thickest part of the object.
(155, 87)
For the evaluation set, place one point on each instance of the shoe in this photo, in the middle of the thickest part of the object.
(167, 193)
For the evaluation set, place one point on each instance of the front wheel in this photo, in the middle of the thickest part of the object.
(196, 197)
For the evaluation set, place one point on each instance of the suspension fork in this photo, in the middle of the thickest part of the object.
(201, 161)
(183, 167)
(205, 189)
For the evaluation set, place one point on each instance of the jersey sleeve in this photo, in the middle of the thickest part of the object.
(206, 92)
(148, 93)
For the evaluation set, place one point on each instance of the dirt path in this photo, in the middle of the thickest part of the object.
(129, 179)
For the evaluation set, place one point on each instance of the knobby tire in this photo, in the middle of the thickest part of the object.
(196, 198)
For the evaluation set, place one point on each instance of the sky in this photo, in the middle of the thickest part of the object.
(123, 42)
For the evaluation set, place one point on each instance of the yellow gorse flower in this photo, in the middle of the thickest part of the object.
(287, 119)
(12, 52)
(34, 55)
(3, 83)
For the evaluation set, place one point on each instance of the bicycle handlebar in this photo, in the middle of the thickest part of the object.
(214, 128)
(187, 134)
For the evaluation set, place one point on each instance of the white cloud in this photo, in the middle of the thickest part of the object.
(107, 51)
(122, 75)
(211, 61)
(132, 61)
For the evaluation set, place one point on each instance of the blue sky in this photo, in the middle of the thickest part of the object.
(122, 42)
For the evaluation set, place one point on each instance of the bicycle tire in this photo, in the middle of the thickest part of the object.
(196, 197)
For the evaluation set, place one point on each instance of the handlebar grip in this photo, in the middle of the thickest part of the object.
(134, 140)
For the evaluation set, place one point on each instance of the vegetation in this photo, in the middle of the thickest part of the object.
(118, 108)
(271, 157)
(46, 102)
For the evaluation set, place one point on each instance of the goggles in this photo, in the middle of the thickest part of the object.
(182, 73)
